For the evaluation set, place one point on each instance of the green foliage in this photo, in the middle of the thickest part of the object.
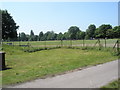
(90, 32)
(66, 36)
(73, 30)
(114, 85)
(40, 37)
(22, 36)
(102, 30)
(110, 33)
(31, 35)
(116, 31)
(9, 27)
(60, 36)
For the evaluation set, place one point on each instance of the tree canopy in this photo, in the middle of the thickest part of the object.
(9, 27)
(90, 32)
(102, 30)
(73, 30)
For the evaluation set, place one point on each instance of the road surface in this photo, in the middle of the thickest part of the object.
(92, 77)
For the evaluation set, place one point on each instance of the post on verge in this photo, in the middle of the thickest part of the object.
(45, 44)
(99, 44)
(71, 42)
(2, 60)
(61, 42)
(118, 47)
(83, 43)
(105, 42)
(19, 39)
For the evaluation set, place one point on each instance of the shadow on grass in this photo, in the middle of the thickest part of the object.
(5, 68)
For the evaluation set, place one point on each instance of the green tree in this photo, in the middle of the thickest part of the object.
(78, 35)
(35, 38)
(90, 32)
(31, 35)
(66, 36)
(9, 27)
(23, 36)
(60, 36)
(27, 37)
(82, 35)
(55, 36)
(110, 33)
(97, 35)
(73, 32)
(102, 30)
(40, 37)
(51, 35)
(116, 31)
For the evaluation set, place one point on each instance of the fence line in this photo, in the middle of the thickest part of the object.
(99, 42)
(117, 45)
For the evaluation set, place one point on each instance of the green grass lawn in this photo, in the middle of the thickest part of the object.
(28, 66)
(115, 85)
(110, 42)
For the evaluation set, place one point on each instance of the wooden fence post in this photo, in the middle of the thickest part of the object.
(99, 44)
(61, 42)
(71, 43)
(83, 43)
(45, 44)
(2, 60)
(117, 45)
(105, 42)
(118, 41)
(95, 43)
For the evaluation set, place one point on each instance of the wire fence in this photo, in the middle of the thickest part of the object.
(100, 43)
(84, 43)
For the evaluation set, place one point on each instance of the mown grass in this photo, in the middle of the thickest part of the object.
(28, 66)
(112, 85)
(109, 42)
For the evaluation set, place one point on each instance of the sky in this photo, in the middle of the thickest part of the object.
(59, 16)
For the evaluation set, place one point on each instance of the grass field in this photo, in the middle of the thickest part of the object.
(26, 66)
(115, 85)
(109, 43)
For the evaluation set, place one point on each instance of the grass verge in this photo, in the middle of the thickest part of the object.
(114, 85)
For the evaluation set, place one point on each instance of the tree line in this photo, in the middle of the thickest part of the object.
(74, 33)
(9, 32)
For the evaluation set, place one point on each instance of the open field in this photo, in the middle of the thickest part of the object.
(109, 43)
(26, 66)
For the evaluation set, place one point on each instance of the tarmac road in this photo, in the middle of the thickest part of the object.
(92, 77)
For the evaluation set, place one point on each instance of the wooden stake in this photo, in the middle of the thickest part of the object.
(105, 42)
(83, 43)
